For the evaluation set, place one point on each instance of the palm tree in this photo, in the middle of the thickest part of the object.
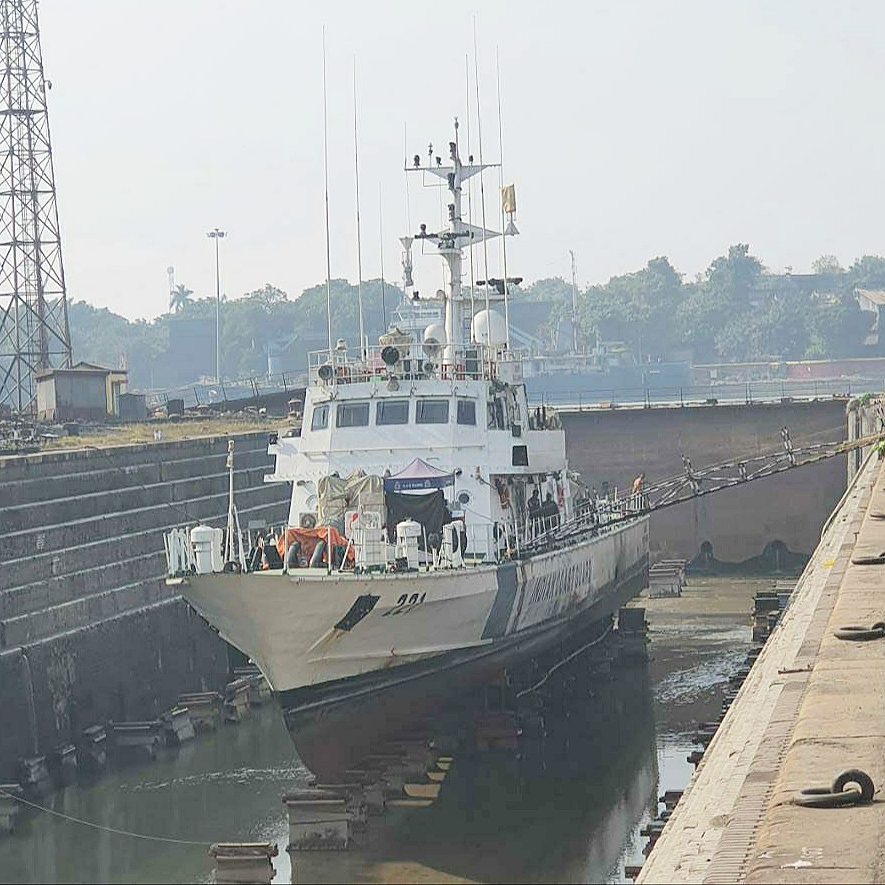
(178, 297)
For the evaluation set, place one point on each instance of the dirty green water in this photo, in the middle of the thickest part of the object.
(566, 805)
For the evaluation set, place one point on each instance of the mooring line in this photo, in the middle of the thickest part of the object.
(563, 662)
(107, 829)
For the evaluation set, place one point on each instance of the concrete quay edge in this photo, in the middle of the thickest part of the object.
(811, 707)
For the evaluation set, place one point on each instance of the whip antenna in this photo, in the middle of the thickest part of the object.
(359, 253)
(326, 178)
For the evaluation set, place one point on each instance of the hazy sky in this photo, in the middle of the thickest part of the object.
(631, 129)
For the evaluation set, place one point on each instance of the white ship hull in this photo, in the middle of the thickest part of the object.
(330, 661)
(287, 622)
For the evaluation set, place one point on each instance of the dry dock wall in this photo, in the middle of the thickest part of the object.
(88, 629)
(810, 707)
(616, 445)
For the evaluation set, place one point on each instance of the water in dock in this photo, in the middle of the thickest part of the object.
(565, 800)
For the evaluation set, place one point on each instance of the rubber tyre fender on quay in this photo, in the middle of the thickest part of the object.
(824, 797)
(861, 634)
(869, 559)
(855, 776)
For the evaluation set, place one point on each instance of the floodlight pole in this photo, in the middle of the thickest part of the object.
(216, 235)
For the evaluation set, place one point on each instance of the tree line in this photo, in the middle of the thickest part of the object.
(734, 311)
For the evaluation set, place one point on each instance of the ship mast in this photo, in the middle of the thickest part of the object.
(456, 237)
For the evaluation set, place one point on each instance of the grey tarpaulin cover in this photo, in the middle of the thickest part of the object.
(335, 496)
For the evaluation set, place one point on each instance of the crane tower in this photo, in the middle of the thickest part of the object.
(34, 333)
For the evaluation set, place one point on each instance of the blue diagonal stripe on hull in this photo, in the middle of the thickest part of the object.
(503, 604)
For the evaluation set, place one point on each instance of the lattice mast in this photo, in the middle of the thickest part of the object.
(451, 242)
(34, 333)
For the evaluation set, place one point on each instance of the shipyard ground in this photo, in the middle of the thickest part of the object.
(811, 707)
(135, 433)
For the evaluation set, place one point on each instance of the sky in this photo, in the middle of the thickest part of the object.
(630, 129)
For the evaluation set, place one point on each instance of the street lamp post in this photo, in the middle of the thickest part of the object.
(216, 235)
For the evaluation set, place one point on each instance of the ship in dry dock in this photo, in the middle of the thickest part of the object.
(435, 534)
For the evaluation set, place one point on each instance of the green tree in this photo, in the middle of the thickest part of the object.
(827, 264)
(868, 271)
(178, 297)
(711, 318)
(636, 308)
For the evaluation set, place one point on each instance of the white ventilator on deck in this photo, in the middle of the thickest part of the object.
(407, 533)
(434, 340)
(450, 556)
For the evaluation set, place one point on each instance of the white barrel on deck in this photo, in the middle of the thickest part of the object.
(407, 533)
(203, 540)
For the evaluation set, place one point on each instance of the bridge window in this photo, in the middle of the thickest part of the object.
(320, 419)
(392, 411)
(467, 412)
(352, 415)
(432, 411)
(520, 456)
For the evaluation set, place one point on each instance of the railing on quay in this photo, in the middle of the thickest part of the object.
(227, 390)
(745, 393)
(243, 389)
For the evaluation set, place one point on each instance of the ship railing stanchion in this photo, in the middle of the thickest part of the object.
(329, 549)
(242, 552)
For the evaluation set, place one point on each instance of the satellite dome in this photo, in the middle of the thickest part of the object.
(489, 327)
(435, 333)
(434, 339)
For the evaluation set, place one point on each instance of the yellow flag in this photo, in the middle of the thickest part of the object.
(508, 198)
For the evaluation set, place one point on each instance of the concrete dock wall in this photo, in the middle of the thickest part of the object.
(617, 444)
(811, 706)
(88, 629)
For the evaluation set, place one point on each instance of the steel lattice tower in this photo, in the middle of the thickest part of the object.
(34, 332)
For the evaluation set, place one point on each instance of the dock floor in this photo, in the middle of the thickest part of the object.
(811, 707)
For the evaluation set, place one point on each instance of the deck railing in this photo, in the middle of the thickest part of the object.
(414, 361)
(487, 542)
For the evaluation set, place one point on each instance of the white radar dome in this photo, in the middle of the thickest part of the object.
(435, 333)
(489, 327)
